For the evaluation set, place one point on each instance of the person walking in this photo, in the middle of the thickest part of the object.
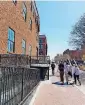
(76, 74)
(69, 70)
(52, 67)
(66, 71)
(61, 69)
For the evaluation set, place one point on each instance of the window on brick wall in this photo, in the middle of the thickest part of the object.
(33, 13)
(24, 11)
(40, 52)
(31, 6)
(23, 46)
(41, 46)
(40, 41)
(30, 50)
(11, 40)
(30, 24)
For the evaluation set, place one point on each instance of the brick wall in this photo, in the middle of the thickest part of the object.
(11, 16)
(44, 44)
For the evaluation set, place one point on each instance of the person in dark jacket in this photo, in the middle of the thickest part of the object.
(61, 69)
(53, 67)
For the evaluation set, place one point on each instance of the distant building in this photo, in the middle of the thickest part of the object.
(43, 45)
(74, 54)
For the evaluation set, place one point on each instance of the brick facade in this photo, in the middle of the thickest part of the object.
(11, 16)
(42, 45)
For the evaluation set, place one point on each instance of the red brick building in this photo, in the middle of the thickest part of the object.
(19, 27)
(43, 45)
(74, 54)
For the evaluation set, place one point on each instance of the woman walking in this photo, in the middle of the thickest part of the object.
(76, 74)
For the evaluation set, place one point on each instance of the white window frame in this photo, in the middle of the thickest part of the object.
(23, 46)
(24, 11)
(11, 42)
(30, 24)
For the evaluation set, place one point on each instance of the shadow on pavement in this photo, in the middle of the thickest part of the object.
(59, 83)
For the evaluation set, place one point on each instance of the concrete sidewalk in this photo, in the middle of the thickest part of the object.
(54, 94)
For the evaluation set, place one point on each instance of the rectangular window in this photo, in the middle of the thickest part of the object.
(33, 13)
(40, 52)
(40, 41)
(30, 24)
(11, 39)
(23, 46)
(41, 46)
(24, 11)
(30, 50)
(31, 6)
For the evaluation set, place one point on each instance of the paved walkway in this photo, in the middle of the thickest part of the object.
(54, 94)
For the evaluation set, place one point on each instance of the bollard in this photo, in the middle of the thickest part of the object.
(30, 60)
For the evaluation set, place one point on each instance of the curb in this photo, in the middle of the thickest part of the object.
(80, 89)
(37, 91)
(22, 102)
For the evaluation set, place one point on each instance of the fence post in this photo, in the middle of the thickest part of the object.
(16, 59)
(0, 59)
(22, 85)
(48, 73)
(27, 59)
(0, 96)
(30, 60)
(0, 92)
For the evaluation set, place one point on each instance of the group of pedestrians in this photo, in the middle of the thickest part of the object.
(67, 71)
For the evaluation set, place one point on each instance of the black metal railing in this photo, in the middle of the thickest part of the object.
(22, 60)
(14, 60)
(40, 59)
(16, 83)
(42, 63)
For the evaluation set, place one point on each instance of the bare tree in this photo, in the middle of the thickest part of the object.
(77, 35)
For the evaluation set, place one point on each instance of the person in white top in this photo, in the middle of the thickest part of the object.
(73, 68)
(76, 74)
(66, 72)
(70, 70)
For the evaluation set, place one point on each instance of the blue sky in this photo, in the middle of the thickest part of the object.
(56, 21)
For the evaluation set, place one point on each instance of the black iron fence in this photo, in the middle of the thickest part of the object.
(17, 79)
(16, 83)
